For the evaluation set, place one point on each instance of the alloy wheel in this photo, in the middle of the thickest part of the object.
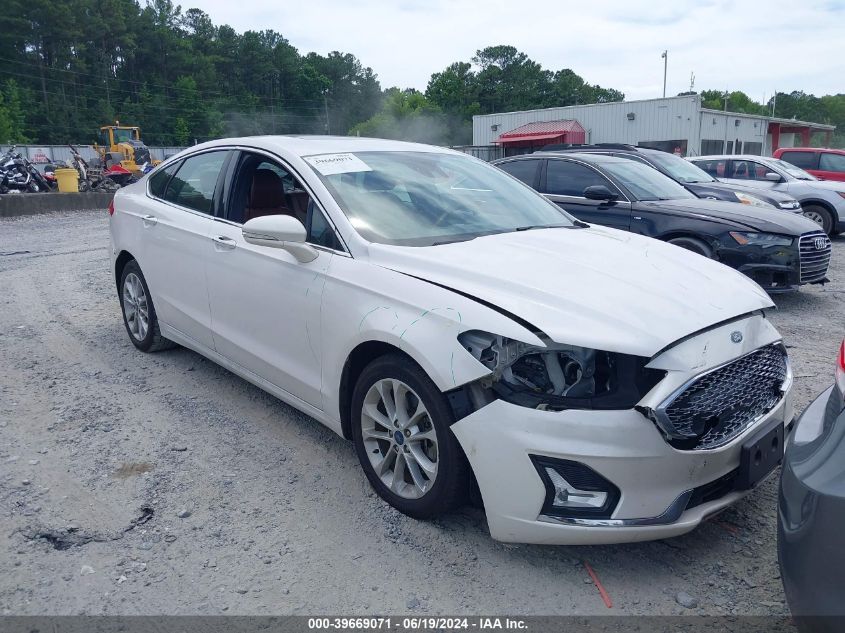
(136, 307)
(815, 216)
(399, 438)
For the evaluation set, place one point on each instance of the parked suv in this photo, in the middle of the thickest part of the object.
(693, 178)
(822, 201)
(823, 163)
(778, 250)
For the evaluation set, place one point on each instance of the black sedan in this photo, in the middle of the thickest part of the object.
(693, 177)
(811, 512)
(780, 251)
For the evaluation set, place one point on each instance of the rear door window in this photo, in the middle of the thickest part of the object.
(716, 168)
(194, 183)
(804, 160)
(525, 170)
(749, 170)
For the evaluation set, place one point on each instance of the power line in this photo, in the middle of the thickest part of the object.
(139, 83)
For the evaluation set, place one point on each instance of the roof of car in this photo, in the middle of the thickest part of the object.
(596, 157)
(305, 145)
(731, 157)
(817, 150)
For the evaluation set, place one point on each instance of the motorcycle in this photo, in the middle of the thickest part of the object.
(18, 175)
(93, 178)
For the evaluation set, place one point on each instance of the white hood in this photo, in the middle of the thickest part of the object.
(594, 287)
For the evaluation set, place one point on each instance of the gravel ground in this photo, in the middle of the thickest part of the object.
(163, 484)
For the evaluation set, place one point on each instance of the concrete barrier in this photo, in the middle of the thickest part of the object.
(14, 204)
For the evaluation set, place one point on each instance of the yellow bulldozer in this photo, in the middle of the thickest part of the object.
(121, 145)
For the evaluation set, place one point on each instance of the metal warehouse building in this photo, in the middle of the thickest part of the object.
(673, 124)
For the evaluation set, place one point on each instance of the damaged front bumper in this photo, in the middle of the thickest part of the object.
(657, 483)
(621, 479)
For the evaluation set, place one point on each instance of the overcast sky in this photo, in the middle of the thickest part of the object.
(756, 47)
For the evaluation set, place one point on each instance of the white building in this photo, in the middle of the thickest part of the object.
(672, 124)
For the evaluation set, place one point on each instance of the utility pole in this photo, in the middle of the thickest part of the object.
(326, 105)
(665, 57)
(774, 103)
(691, 81)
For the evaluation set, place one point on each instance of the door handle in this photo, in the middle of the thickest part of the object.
(149, 220)
(223, 243)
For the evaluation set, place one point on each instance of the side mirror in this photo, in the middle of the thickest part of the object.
(280, 231)
(599, 192)
(772, 176)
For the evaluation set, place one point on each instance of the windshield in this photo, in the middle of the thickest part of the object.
(680, 169)
(124, 135)
(425, 199)
(792, 170)
(644, 182)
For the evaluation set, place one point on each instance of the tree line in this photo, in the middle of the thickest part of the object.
(67, 67)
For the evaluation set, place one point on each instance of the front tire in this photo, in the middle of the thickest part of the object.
(820, 216)
(401, 430)
(139, 315)
(693, 244)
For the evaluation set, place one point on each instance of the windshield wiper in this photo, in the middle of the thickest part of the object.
(531, 227)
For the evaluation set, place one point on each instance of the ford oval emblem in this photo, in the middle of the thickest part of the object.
(736, 337)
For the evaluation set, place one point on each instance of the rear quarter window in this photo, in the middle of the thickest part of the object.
(159, 180)
(832, 162)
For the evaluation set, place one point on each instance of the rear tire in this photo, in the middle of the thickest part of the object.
(139, 315)
(693, 244)
(408, 451)
(820, 216)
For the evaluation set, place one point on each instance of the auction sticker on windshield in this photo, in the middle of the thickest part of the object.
(330, 164)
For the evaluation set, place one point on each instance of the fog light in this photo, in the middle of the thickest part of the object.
(574, 489)
(568, 496)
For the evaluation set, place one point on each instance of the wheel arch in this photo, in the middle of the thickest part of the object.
(835, 216)
(816, 202)
(707, 239)
(361, 356)
(123, 258)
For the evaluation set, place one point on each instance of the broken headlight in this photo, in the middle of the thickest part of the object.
(559, 376)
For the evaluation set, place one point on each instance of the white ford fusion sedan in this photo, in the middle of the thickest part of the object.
(596, 385)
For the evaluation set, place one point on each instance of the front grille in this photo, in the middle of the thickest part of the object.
(815, 250)
(717, 406)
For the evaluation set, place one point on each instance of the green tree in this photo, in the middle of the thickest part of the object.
(181, 132)
(406, 115)
(11, 114)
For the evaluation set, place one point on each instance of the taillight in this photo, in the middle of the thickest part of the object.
(840, 369)
(111, 207)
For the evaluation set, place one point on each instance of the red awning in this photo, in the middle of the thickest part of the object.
(513, 138)
(568, 129)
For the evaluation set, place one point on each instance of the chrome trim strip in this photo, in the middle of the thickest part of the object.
(669, 515)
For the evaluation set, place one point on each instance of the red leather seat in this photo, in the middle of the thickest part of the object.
(266, 196)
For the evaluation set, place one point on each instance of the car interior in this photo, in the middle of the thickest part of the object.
(262, 187)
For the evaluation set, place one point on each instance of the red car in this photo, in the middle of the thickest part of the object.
(822, 162)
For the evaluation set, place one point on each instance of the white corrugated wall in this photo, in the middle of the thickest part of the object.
(653, 120)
